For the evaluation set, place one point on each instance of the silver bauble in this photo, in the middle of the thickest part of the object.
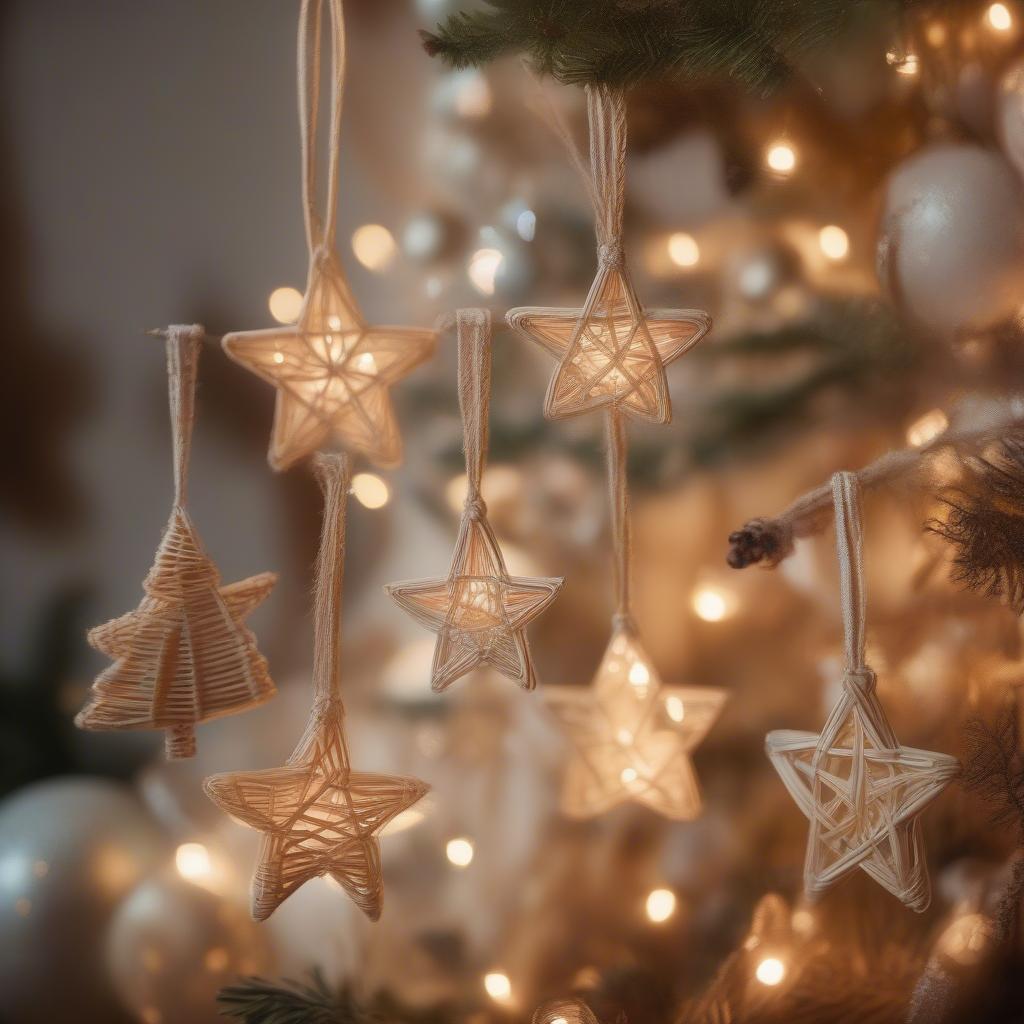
(172, 945)
(70, 850)
(952, 241)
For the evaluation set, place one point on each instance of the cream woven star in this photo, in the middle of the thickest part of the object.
(317, 816)
(611, 352)
(632, 736)
(563, 1011)
(862, 793)
(332, 372)
(478, 611)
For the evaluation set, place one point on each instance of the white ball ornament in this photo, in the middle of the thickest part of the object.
(952, 239)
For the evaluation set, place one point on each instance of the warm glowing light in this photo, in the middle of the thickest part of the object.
(904, 63)
(781, 158)
(674, 708)
(192, 861)
(770, 971)
(924, 430)
(285, 304)
(216, 959)
(628, 775)
(483, 269)
(966, 939)
(473, 95)
(999, 17)
(639, 674)
(459, 852)
(834, 242)
(374, 246)
(559, 1020)
(683, 249)
(936, 33)
(370, 490)
(713, 604)
(661, 905)
(526, 228)
(279, 358)
(498, 987)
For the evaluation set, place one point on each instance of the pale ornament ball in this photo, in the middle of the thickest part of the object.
(952, 238)
(1010, 114)
(172, 945)
(70, 850)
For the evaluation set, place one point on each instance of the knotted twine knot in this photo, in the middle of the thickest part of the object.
(611, 255)
(475, 507)
(859, 680)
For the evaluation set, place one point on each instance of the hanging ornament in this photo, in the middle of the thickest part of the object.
(332, 371)
(478, 611)
(184, 655)
(862, 792)
(612, 353)
(317, 816)
(564, 1011)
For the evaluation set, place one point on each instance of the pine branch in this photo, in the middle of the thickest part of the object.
(994, 768)
(257, 1001)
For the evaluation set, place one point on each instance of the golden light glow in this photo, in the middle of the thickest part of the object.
(374, 246)
(192, 861)
(661, 905)
(770, 971)
(928, 427)
(216, 959)
(834, 242)
(781, 158)
(936, 33)
(966, 939)
(473, 96)
(459, 852)
(370, 490)
(683, 249)
(713, 603)
(285, 304)
(639, 674)
(483, 268)
(675, 708)
(999, 17)
(904, 63)
(498, 987)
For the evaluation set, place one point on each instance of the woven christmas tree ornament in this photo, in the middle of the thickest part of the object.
(318, 816)
(563, 1011)
(331, 370)
(612, 353)
(479, 612)
(184, 655)
(861, 791)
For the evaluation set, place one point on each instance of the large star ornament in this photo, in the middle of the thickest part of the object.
(632, 736)
(317, 816)
(478, 611)
(862, 793)
(612, 352)
(332, 372)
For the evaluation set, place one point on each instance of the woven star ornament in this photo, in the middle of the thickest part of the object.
(563, 1011)
(631, 736)
(860, 789)
(478, 611)
(184, 656)
(317, 816)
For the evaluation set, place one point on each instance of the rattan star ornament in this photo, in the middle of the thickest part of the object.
(563, 1011)
(612, 353)
(332, 371)
(184, 656)
(318, 816)
(861, 791)
(631, 736)
(478, 611)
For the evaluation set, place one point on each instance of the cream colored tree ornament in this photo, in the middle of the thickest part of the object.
(612, 353)
(318, 816)
(332, 371)
(479, 612)
(564, 1011)
(861, 791)
(184, 655)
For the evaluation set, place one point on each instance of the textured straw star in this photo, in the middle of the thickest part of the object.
(862, 793)
(612, 353)
(317, 816)
(332, 372)
(478, 611)
(631, 736)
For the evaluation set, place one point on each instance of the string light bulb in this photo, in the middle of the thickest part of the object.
(925, 429)
(999, 17)
(713, 603)
(459, 852)
(370, 490)
(483, 269)
(192, 861)
(834, 242)
(683, 249)
(661, 905)
(781, 158)
(770, 971)
(374, 246)
(498, 986)
(285, 304)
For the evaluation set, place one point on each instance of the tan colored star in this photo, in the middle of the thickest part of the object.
(478, 611)
(632, 736)
(612, 352)
(862, 793)
(317, 816)
(332, 372)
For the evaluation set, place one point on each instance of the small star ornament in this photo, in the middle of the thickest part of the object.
(332, 372)
(317, 816)
(631, 736)
(612, 353)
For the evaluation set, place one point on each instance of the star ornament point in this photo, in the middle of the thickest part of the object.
(317, 816)
(612, 353)
(478, 611)
(332, 372)
(631, 736)
(862, 793)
